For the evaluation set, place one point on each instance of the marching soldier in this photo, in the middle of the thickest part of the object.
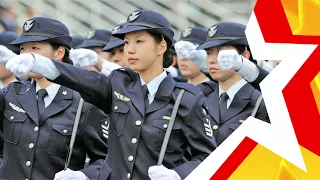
(96, 40)
(140, 101)
(115, 47)
(188, 68)
(233, 99)
(37, 119)
(247, 68)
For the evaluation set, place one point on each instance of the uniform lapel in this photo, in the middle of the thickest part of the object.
(163, 95)
(135, 94)
(61, 101)
(240, 101)
(28, 100)
(213, 105)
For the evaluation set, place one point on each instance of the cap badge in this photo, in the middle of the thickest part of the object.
(28, 25)
(212, 31)
(133, 16)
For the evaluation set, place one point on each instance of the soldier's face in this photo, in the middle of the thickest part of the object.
(118, 56)
(188, 68)
(103, 54)
(41, 48)
(141, 51)
(216, 72)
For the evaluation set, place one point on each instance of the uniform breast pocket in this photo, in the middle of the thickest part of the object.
(59, 140)
(12, 125)
(155, 136)
(119, 116)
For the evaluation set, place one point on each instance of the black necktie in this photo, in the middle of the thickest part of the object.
(41, 94)
(223, 103)
(145, 93)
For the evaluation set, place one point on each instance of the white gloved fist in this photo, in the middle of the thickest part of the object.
(21, 64)
(5, 54)
(185, 50)
(108, 67)
(188, 51)
(70, 175)
(83, 57)
(229, 59)
(162, 173)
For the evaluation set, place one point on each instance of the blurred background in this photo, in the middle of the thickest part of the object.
(82, 16)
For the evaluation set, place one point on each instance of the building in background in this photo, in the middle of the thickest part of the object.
(81, 16)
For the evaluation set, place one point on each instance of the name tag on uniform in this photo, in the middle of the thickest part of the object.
(16, 108)
(121, 97)
(166, 118)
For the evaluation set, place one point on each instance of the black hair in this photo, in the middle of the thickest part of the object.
(241, 49)
(167, 57)
(65, 58)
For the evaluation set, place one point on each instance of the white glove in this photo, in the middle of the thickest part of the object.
(229, 59)
(265, 65)
(70, 175)
(5, 54)
(21, 65)
(172, 70)
(108, 67)
(162, 173)
(187, 51)
(83, 57)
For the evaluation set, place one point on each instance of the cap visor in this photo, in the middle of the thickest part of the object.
(127, 29)
(87, 44)
(113, 44)
(24, 39)
(212, 43)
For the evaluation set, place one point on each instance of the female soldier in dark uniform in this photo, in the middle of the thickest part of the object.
(37, 119)
(140, 101)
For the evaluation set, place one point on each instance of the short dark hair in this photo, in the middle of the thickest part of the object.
(65, 58)
(241, 49)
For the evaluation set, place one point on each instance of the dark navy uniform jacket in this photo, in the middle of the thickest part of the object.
(262, 74)
(136, 135)
(240, 108)
(36, 147)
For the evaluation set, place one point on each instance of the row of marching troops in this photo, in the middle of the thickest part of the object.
(133, 101)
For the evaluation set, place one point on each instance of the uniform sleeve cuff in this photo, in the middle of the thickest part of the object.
(45, 66)
(249, 71)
